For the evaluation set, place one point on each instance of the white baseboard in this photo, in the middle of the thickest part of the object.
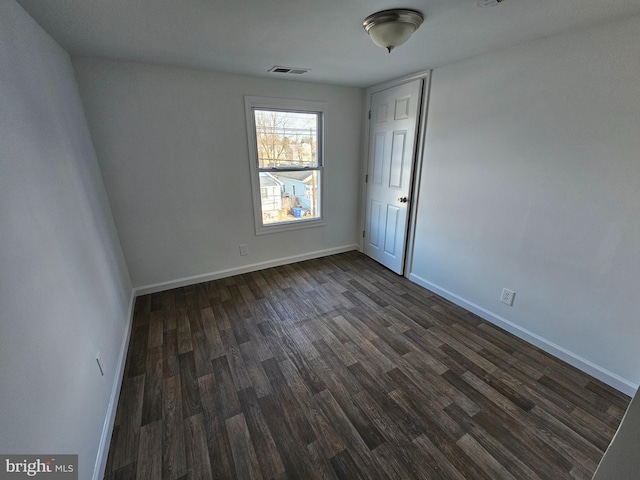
(571, 358)
(105, 439)
(206, 277)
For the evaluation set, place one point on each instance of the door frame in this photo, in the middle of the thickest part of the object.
(414, 184)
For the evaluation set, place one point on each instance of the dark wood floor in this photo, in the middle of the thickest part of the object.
(338, 368)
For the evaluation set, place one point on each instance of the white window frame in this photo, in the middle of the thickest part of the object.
(284, 104)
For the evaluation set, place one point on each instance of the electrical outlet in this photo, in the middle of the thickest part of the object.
(100, 364)
(507, 296)
(244, 249)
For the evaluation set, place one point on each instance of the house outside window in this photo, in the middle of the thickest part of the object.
(286, 159)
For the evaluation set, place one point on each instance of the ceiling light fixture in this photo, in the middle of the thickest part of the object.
(391, 28)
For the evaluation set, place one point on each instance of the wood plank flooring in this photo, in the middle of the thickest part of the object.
(337, 368)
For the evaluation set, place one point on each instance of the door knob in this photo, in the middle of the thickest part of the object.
(402, 199)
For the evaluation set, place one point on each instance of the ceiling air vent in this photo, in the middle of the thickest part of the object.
(292, 70)
(489, 3)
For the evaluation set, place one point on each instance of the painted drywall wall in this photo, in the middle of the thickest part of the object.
(172, 146)
(64, 288)
(531, 182)
(621, 460)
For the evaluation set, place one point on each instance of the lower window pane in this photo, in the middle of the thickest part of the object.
(289, 196)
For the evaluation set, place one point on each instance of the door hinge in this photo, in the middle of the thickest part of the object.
(362, 233)
(369, 114)
(366, 178)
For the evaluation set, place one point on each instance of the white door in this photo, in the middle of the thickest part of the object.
(392, 143)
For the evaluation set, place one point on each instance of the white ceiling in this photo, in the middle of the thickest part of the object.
(250, 36)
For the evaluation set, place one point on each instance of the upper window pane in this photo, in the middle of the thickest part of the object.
(286, 139)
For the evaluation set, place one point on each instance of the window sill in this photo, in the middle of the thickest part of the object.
(286, 227)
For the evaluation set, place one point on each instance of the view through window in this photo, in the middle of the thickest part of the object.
(289, 164)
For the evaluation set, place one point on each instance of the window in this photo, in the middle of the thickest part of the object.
(286, 158)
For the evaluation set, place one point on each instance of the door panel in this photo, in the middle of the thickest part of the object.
(375, 215)
(402, 110)
(392, 142)
(397, 159)
(378, 157)
(393, 214)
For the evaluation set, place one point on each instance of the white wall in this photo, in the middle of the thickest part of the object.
(621, 460)
(172, 145)
(64, 288)
(531, 182)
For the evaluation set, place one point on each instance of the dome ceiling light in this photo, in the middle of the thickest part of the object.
(391, 28)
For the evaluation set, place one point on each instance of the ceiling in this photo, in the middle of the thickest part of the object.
(250, 36)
